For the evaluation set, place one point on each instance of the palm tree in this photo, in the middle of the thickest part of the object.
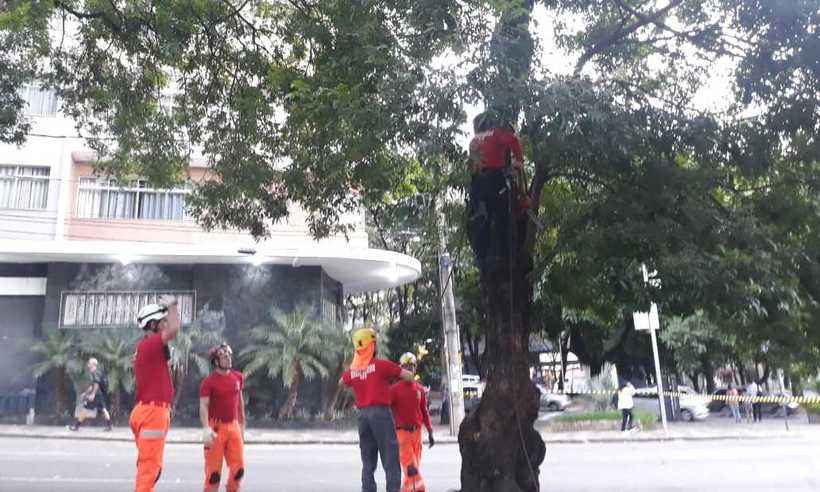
(191, 343)
(294, 346)
(58, 354)
(115, 351)
(343, 352)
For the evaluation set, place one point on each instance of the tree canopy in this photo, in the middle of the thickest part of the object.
(337, 105)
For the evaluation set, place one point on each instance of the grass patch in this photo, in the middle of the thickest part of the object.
(813, 408)
(646, 419)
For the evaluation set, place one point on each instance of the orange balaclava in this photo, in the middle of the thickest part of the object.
(364, 342)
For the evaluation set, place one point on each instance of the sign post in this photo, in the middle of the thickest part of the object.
(650, 321)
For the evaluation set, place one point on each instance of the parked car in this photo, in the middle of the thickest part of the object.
(692, 407)
(718, 406)
(553, 402)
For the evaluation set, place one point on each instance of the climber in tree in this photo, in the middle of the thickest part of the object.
(497, 165)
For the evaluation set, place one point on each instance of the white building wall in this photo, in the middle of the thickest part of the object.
(49, 146)
(53, 143)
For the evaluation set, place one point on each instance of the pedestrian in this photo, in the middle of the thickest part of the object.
(625, 405)
(94, 400)
(222, 414)
(370, 379)
(444, 417)
(151, 416)
(734, 405)
(408, 401)
(753, 391)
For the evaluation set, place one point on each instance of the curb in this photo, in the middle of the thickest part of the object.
(669, 439)
(347, 442)
(270, 442)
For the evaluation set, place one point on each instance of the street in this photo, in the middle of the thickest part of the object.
(46, 465)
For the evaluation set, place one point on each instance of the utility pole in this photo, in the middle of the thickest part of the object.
(452, 339)
(452, 344)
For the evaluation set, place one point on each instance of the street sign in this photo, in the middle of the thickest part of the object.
(650, 322)
(645, 321)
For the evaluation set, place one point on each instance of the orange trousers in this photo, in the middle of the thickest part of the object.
(410, 458)
(149, 423)
(227, 445)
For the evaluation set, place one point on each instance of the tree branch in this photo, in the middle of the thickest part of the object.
(689, 37)
(77, 13)
(621, 32)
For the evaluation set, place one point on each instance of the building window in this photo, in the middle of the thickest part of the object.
(105, 199)
(24, 187)
(39, 102)
(93, 309)
(330, 311)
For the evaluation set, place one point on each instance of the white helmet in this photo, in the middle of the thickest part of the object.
(150, 313)
(407, 359)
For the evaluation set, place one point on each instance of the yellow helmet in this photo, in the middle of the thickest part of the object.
(407, 359)
(363, 336)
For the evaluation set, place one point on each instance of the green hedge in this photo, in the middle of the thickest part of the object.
(646, 419)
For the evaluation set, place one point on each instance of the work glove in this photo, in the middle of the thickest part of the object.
(208, 436)
(431, 439)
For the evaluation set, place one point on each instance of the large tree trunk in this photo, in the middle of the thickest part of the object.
(500, 449)
(564, 347)
(709, 373)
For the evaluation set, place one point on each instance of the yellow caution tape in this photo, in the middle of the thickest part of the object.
(739, 398)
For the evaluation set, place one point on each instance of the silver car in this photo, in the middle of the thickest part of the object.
(553, 402)
(692, 406)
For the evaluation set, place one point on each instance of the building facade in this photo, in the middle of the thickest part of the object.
(79, 251)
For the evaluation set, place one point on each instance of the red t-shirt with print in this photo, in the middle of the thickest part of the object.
(490, 149)
(371, 385)
(224, 392)
(151, 371)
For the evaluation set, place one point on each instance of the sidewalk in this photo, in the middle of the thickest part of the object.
(710, 430)
(696, 431)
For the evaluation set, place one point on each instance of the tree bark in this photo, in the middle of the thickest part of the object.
(289, 406)
(179, 380)
(709, 374)
(334, 389)
(500, 449)
(473, 351)
(62, 392)
(695, 381)
(115, 405)
(564, 356)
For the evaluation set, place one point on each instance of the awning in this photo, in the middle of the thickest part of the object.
(358, 269)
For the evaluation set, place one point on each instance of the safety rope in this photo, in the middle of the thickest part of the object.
(511, 234)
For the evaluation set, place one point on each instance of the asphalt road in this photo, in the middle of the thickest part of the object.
(37, 465)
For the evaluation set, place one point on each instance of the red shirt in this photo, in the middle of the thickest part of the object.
(408, 400)
(151, 371)
(224, 392)
(490, 149)
(371, 385)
